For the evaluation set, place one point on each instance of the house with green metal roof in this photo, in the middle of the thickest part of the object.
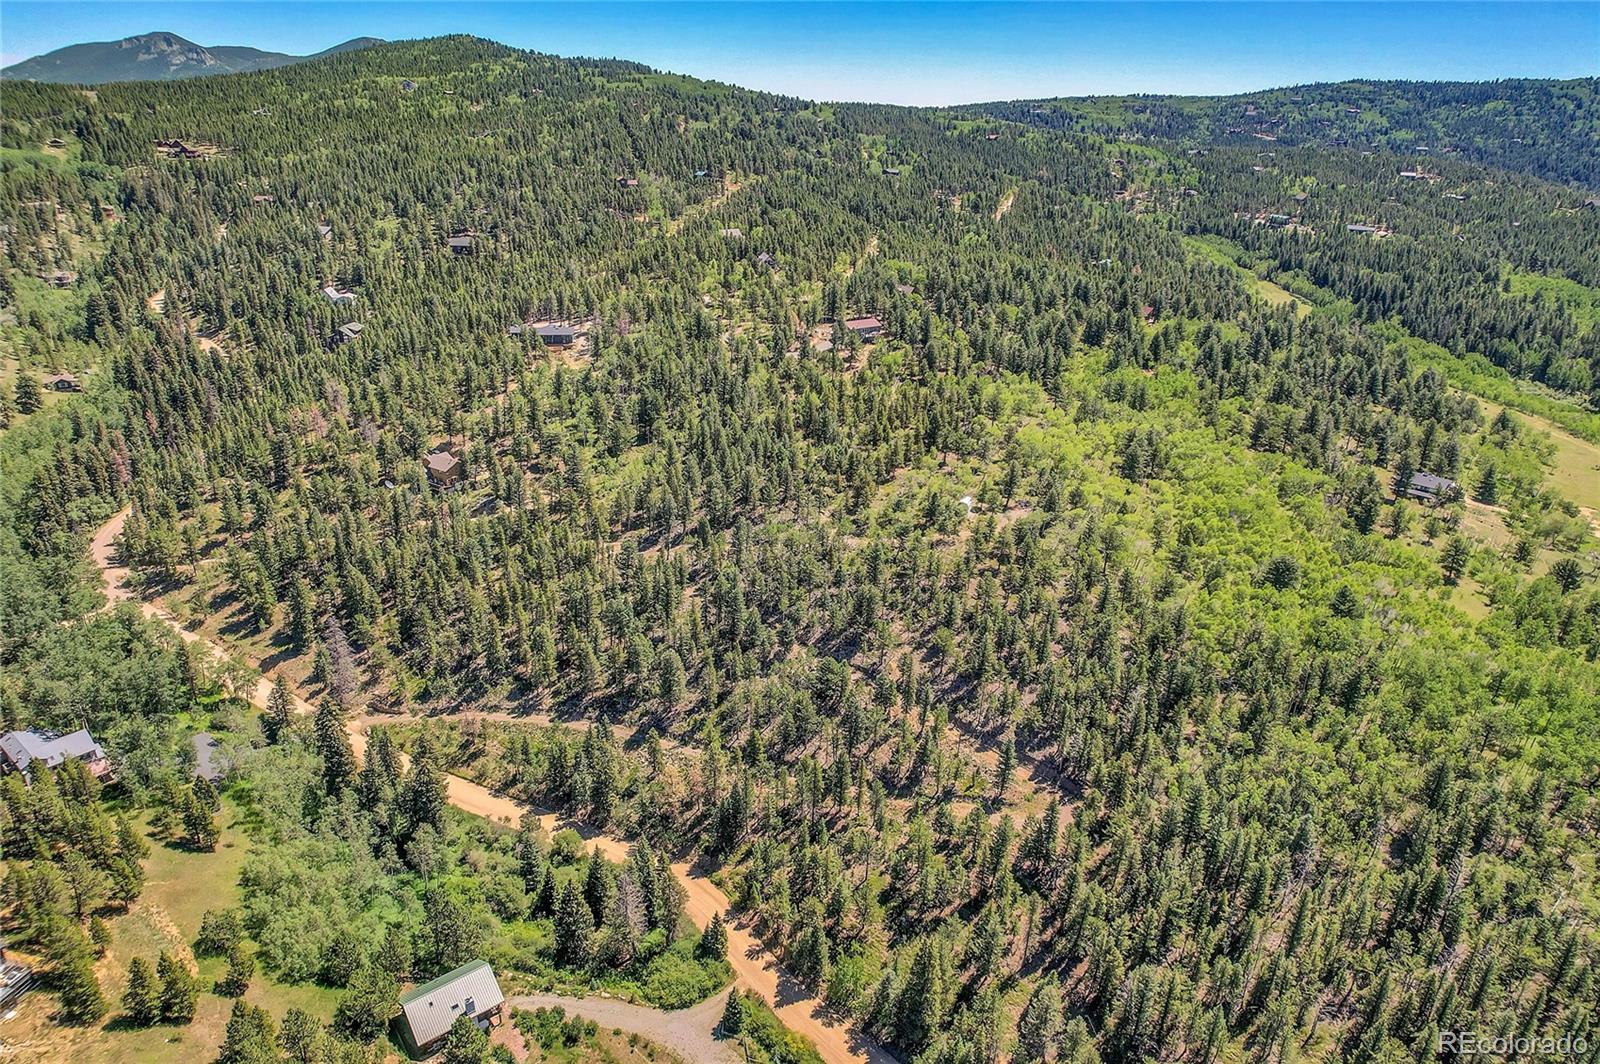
(427, 1012)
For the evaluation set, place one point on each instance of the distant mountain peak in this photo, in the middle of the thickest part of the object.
(159, 55)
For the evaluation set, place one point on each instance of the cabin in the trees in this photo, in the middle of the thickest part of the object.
(1431, 489)
(1278, 221)
(891, 171)
(461, 244)
(177, 149)
(427, 1012)
(346, 333)
(444, 468)
(23, 751)
(1364, 229)
(60, 278)
(325, 231)
(408, 86)
(64, 382)
(627, 182)
(56, 142)
(864, 328)
(766, 261)
(557, 335)
(336, 295)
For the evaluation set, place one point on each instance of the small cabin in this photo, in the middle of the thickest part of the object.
(428, 1012)
(891, 171)
(325, 231)
(766, 261)
(443, 468)
(61, 278)
(557, 335)
(63, 382)
(627, 182)
(462, 244)
(349, 332)
(1278, 221)
(1362, 228)
(864, 328)
(1431, 489)
(336, 295)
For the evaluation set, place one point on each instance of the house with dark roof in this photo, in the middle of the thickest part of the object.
(1431, 489)
(444, 468)
(63, 382)
(24, 751)
(557, 335)
(427, 1013)
(864, 328)
(346, 333)
(461, 244)
(766, 261)
(627, 182)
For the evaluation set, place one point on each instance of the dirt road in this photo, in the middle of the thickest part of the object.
(687, 1032)
(754, 967)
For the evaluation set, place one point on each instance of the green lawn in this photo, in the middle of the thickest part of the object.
(180, 886)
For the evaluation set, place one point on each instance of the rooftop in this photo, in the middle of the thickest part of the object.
(22, 748)
(442, 461)
(431, 1008)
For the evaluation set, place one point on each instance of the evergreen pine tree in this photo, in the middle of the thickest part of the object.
(141, 997)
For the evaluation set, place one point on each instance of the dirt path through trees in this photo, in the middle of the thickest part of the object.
(754, 967)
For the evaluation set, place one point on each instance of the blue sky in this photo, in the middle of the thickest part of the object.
(914, 53)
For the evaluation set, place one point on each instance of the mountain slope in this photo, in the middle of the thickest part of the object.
(157, 56)
(1540, 127)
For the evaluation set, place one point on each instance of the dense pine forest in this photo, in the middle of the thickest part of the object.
(1543, 128)
(979, 538)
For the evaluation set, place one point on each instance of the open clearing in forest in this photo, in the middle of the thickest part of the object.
(1574, 469)
(180, 885)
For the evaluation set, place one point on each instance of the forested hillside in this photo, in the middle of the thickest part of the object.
(982, 547)
(1544, 128)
